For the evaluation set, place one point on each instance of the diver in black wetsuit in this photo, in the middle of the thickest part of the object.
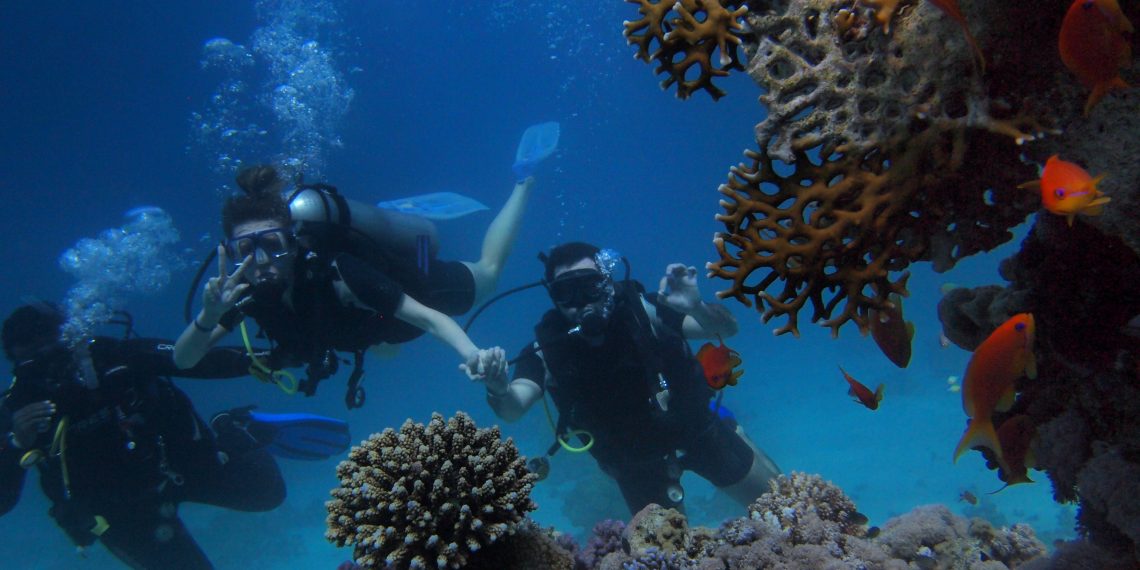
(616, 363)
(118, 446)
(312, 297)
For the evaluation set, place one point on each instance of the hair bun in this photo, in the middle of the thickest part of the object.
(259, 179)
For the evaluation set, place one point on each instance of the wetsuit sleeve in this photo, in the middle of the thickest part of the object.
(378, 291)
(669, 317)
(11, 474)
(530, 366)
(156, 357)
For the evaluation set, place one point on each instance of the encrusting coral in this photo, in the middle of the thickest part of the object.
(806, 523)
(428, 496)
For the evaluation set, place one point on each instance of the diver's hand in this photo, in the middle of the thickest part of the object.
(224, 291)
(30, 421)
(678, 289)
(488, 365)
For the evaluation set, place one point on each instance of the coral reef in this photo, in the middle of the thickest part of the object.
(808, 523)
(879, 150)
(428, 495)
(1086, 397)
(687, 33)
(807, 509)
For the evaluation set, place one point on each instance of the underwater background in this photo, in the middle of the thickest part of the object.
(111, 106)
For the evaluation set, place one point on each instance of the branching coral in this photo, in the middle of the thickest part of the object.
(878, 151)
(428, 496)
(699, 28)
(808, 509)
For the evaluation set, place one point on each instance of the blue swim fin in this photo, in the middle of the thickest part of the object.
(538, 142)
(435, 206)
(300, 436)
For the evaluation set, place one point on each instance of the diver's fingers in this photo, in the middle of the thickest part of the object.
(236, 293)
(222, 261)
(239, 274)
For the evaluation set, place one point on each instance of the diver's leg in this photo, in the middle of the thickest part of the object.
(154, 543)
(757, 481)
(250, 480)
(725, 456)
(645, 483)
(498, 241)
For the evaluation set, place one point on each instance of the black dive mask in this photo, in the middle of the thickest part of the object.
(52, 363)
(578, 288)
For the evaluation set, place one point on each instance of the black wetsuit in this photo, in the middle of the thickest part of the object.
(133, 449)
(610, 391)
(319, 322)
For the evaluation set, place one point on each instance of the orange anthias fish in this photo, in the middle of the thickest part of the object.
(1067, 189)
(863, 394)
(1094, 47)
(1016, 436)
(950, 7)
(1005, 356)
(718, 364)
(892, 333)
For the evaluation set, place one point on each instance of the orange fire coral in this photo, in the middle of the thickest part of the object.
(892, 156)
(700, 28)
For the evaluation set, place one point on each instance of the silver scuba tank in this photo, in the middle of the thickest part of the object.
(318, 212)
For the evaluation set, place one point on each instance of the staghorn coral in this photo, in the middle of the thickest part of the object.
(428, 496)
(699, 28)
(878, 151)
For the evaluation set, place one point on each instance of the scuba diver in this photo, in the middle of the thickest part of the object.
(118, 446)
(320, 273)
(626, 384)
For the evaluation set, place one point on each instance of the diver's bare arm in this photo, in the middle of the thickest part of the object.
(438, 324)
(511, 401)
(195, 342)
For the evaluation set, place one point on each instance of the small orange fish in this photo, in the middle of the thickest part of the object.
(863, 394)
(997, 363)
(892, 333)
(950, 7)
(718, 364)
(968, 497)
(1016, 436)
(1067, 189)
(1094, 47)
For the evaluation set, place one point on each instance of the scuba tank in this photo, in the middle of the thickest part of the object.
(331, 222)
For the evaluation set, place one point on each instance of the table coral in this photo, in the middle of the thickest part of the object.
(688, 33)
(428, 496)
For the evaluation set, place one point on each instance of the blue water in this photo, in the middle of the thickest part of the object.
(109, 106)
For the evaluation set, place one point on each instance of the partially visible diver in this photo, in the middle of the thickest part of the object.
(627, 387)
(321, 274)
(118, 446)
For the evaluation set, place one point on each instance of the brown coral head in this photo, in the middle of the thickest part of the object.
(428, 496)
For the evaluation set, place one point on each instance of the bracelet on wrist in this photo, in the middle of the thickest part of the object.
(199, 326)
(498, 395)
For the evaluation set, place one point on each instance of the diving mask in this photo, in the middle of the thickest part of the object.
(264, 245)
(578, 288)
